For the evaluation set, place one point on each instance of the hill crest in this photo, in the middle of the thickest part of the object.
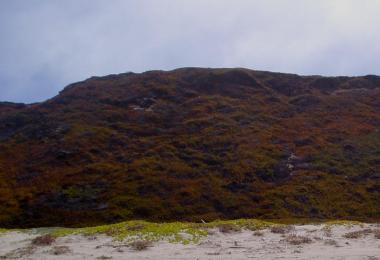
(193, 143)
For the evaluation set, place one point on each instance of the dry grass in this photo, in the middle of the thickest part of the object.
(213, 253)
(258, 234)
(111, 232)
(45, 240)
(228, 228)
(376, 233)
(357, 234)
(20, 253)
(331, 242)
(60, 250)
(297, 240)
(282, 229)
(327, 231)
(135, 227)
(140, 245)
(103, 257)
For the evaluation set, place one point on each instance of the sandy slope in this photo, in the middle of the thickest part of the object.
(325, 244)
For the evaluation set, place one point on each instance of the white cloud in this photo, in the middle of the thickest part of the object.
(46, 44)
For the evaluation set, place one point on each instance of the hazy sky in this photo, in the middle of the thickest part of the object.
(47, 44)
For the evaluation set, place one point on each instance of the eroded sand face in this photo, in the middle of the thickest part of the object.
(300, 242)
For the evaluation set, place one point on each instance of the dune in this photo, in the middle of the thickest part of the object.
(351, 241)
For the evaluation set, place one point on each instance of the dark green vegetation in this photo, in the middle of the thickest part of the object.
(193, 144)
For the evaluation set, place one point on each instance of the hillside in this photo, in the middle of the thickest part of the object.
(193, 144)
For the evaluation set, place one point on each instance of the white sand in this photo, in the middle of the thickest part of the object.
(237, 245)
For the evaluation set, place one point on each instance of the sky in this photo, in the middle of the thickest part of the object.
(48, 44)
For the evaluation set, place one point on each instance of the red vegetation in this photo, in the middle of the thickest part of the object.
(44, 240)
(193, 144)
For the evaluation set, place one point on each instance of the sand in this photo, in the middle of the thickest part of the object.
(320, 242)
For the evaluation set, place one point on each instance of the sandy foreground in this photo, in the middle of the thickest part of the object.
(293, 242)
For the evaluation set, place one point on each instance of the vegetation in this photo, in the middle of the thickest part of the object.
(139, 230)
(193, 144)
(140, 234)
(342, 222)
(60, 250)
(281, 229)
(175, 232)
(377, 233)
(357, 234)
(331, 242)
(44, 240)
(258, 233)
(297, 239)
(228, 228)
(140, 245)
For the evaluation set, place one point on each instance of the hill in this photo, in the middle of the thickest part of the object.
(193, 144)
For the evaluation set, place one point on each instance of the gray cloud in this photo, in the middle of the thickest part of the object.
(47, 44)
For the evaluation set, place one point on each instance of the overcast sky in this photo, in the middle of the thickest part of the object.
(47, 44)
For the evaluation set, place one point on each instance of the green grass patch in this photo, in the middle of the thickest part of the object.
(174, 232)
(2, 230)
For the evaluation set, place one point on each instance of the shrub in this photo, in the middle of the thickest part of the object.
(135, 227)
(140, 245)
(228, 228)
(297, 240)
(357, 234)
(19, 253)
(103, 257)
(281, 229)
(331, 242)
(44, 240)
(111, 232)
(327, 231)
(258, 234)
(60, 250)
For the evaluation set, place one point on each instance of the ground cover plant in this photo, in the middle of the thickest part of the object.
(193, 144)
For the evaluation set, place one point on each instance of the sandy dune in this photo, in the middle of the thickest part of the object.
(297, 242)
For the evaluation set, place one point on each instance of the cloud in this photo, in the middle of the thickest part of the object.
(47, 44)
